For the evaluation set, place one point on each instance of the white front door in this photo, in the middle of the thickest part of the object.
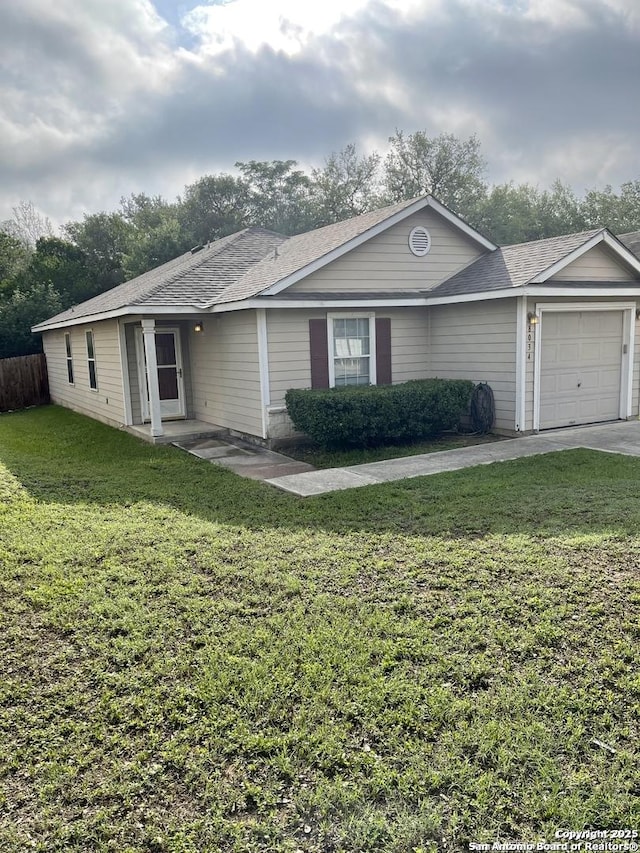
(170, 379)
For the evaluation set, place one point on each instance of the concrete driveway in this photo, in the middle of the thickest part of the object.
(618, 437)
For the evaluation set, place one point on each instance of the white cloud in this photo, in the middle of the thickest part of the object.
(282, 25)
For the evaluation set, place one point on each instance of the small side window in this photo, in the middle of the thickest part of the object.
(67, 346)
(91, 361)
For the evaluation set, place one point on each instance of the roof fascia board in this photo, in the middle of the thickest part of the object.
(318, 303)
(603, 236)
(137, 310)
(608, 291)
(461, 224)
(567, 259)
(341, 250)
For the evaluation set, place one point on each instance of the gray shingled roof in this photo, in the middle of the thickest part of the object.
(231, 269)
(631, 241)
(195, 278)
(512, 266)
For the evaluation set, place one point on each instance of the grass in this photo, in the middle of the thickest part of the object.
(321, 457)
(191, 661)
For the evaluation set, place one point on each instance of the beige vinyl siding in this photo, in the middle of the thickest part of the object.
(132, 367)
(289, 356)
(530, 363)
(386, 263)
(106, 404)
(477, 341)
(598, 264)
(225, 374)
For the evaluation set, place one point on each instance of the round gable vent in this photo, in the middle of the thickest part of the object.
(419, 241)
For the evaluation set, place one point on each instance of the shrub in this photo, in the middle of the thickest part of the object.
(365, 416)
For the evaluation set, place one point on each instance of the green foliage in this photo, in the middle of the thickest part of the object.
(444, 166)
(19, 312)
(279, 195)
(155, 235)
(355, 416)
(620, 212)
(103, 237)
(14, 257)
(214, 206)
(346, 186)
(512, 213)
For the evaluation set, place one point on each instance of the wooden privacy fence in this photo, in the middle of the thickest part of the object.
(23, 382)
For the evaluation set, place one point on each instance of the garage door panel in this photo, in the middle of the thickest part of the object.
(580, 367)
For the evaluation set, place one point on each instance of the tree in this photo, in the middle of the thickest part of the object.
(444, 166)
(155, 235)
(279, 195)
(618, 212)
(214, 206)
(516, 213)
(346, 186)
(14, 257)
(64, 267)
(103, 237)
(28, 225)
(22, 310)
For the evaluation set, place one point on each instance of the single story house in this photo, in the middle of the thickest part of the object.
(411, 291)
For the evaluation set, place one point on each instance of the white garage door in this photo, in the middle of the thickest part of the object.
(581, 358)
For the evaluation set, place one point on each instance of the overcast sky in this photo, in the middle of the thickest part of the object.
(101, 98)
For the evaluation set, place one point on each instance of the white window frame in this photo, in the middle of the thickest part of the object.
(68, 351)
(91, 358)
(352, 315)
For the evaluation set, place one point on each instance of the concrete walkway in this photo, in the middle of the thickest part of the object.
(619, 437)
(302, 479)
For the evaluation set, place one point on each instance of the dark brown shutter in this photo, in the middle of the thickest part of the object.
(319, 347)
(383, 351)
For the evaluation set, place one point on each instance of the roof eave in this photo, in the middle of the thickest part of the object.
(127, 310)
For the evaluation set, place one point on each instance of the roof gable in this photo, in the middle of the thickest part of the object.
(302, 255)
(603, 237)
(536, 262)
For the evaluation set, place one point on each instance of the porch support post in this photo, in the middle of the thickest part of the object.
(149, 337)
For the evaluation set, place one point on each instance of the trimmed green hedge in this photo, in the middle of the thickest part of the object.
(366, 416)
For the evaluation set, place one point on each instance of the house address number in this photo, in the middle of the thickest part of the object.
(531, 341)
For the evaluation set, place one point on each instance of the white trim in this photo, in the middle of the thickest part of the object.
(124, 370)
(426, 300)
(607, 290)
(390, 221)
(602, 237)
(626, 363)
(126, 311)
(263, 364)
(352, 315)
(151, 372)
(68, 355)
(346, 304)
(142, 374)
(91, 359)
(521, 363)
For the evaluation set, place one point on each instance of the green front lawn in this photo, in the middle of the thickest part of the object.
(191, 661)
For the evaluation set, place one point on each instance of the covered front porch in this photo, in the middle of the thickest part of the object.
(158, 376)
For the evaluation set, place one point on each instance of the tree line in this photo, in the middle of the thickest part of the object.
(42, 273)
